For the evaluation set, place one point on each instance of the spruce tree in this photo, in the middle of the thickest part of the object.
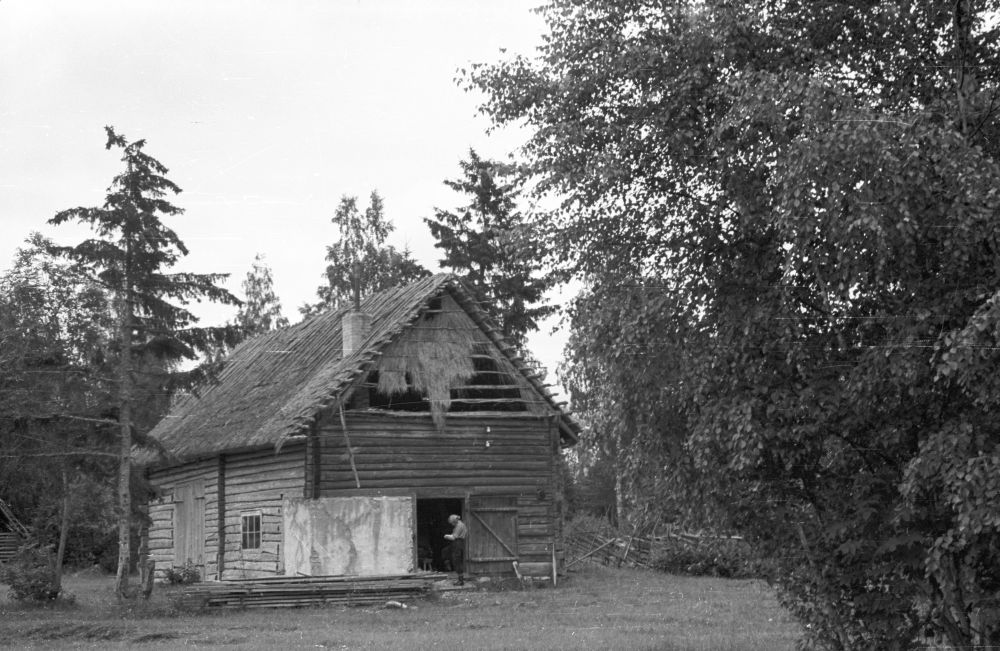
(491, 244)
(130, 256)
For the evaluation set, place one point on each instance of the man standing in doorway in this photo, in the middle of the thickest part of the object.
(457, 537)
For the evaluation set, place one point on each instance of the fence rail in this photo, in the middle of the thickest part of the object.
(632, 550)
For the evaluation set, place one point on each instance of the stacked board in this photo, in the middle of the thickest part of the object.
(9, 544)
(285, 592)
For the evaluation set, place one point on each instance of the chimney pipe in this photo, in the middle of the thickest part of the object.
(354, 328)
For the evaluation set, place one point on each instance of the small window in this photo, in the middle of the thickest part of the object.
(250, 531)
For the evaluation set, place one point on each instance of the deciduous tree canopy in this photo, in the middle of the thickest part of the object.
(261, 309)
(786, 216)
(361, 252)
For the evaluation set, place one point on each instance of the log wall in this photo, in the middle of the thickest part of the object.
(161, 514)
(258, 482)
(254, 481)
(474, 455)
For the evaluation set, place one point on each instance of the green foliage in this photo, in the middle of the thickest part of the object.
(184, 575)
(56, 396)
(31, 575)
(361, 253)
(494, 247)
(261, 308)
(722, 557)
(784, 214)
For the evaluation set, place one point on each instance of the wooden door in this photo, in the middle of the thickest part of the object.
(189, 523)
(492, 544)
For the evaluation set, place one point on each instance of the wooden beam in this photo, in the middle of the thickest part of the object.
(347, 440)
(220, 554)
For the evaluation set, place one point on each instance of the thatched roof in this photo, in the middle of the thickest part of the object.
(275, 385)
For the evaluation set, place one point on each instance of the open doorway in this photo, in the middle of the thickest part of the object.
(432, 525)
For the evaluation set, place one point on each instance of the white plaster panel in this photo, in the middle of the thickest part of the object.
(352, 536)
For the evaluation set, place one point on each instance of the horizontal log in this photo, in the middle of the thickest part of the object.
(267, 490)
(436, 456)
(418, 439)
(275, 464)
(185, 471)
(250, 493)
(420, 421)
(288, 450)
(500, 461)
(500, 484)
(237, 467)
(267, 552)
(283, 475)
(442, 474)
(388, 444)
(442, 467)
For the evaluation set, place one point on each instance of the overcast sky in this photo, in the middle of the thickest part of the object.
(266, 114)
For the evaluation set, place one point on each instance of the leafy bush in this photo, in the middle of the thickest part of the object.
(185, 575)
(723, 557)
(31, 575)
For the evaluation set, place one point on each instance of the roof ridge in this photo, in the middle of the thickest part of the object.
(274, 384)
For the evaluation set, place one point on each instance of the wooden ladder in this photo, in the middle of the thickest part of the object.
(15, 524)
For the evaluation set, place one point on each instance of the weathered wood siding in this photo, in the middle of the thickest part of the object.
(474, 455)
(253, 482)
(258, 482)
(171, 484)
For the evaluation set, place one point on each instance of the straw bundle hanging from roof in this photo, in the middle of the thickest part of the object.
(431, 358)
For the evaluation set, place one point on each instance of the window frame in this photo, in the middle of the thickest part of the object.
(250, 534)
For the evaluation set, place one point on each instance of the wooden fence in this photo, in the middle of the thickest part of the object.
(630, 550)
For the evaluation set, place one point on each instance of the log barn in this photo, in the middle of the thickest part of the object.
(340, 445)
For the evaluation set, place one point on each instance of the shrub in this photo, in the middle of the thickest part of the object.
(31, 575)
(185, 575)
(709, 556)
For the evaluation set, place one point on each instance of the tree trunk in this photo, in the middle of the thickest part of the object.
(63, 528)
(125, 454)
(619, 493)
(147, 566)
(964, 79)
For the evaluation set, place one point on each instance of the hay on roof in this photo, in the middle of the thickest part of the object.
(431, 358)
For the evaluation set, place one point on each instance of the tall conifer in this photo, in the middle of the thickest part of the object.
(130, 256)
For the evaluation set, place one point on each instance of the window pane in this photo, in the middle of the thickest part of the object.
(250, 531)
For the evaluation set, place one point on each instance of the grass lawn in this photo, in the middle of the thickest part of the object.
(593, 608)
